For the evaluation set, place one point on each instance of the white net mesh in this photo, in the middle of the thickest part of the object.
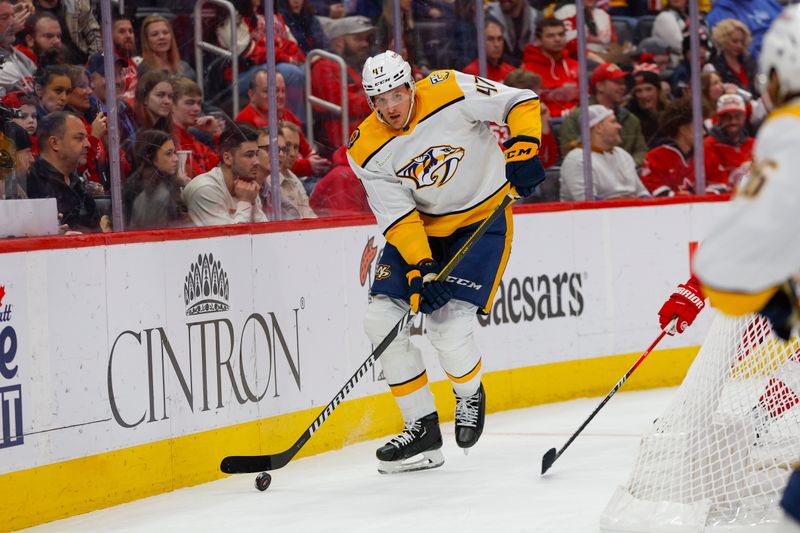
(723, 450)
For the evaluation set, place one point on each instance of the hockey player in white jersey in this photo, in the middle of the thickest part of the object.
(750, 262)
(433, 171)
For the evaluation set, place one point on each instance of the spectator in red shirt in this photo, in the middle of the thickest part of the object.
(187, 100)
(42, 33)
(26, 104)
(350, 39)
(255, 113)
(668, 169)
(728, 149)
(496, 68)
(125, 50)
(339, 192)
(550, 61)
(251, 42)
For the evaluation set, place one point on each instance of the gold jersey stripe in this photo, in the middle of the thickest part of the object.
(738, 303)
(468, 376)
(503, 260)
(524, 118)
(445, 225)
(407, 234)
(412, 385)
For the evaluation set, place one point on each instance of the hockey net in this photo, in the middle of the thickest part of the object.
(719, 457)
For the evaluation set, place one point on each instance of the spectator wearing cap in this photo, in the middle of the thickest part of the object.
(23, 159)
(608, 89)
(96, 70)
(255, 113)
(613, 169)
(733, 62)
(757, 15)
(26, 104)
(519, 27)
(16, 69)
(656, 52)
(728, 149)
(668, 168)
(647, 102)
(549, 60)
(349, 39)
(496, 68)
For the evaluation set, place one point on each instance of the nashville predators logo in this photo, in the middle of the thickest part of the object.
(382, 271)
(435, 166)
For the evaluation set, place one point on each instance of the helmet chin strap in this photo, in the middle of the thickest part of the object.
(411, 107)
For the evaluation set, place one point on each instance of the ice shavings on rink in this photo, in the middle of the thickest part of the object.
(496, 488)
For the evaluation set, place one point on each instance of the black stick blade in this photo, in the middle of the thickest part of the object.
(245, 464)
(548, 459)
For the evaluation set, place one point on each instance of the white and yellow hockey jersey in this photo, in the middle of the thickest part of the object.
(445, 170)
(755, 248)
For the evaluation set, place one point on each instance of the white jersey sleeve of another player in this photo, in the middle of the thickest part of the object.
(756, 246)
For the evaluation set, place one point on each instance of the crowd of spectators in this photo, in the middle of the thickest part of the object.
(189, 158)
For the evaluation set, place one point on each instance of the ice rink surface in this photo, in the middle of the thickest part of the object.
(497, 488)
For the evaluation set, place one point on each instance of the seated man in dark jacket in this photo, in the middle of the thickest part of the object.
(63, 145)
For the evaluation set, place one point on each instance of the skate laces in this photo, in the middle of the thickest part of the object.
(408, 434)
(467, 410)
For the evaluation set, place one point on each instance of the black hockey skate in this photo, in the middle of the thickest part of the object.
(419, 438)
(470, 414)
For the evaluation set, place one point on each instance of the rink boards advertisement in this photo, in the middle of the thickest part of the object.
(131, 366)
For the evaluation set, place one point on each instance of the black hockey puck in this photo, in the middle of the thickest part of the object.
(263, 481)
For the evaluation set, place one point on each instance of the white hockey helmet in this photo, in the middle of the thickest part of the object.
(384, 72)
(780, 51)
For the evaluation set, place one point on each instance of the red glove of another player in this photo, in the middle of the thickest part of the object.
(685, 303)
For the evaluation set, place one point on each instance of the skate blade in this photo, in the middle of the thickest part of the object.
(425, 461)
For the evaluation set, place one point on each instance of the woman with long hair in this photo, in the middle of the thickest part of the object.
(152, 102)
(151, 195)
(711, 88)
(53, 87)
(160, 49)
(647, 102)
(733, 61)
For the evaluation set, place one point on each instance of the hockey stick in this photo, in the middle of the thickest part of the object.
(551, 456)
(240, 464)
